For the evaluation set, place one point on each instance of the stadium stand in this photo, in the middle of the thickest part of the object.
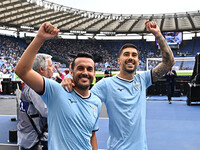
(104, 51)
(197, 46)
(63, 50)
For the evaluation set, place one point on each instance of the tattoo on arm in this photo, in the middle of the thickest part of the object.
(167, 59)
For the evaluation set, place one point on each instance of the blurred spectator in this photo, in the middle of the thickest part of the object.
(13, 75)
(62, 75)
(63, 50)
(108, 72)
(170, 83)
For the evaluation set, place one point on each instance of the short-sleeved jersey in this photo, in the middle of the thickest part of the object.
(126, 106)
(68, 76)
(71, 118)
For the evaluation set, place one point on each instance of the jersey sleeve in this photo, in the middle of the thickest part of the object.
(96, 126)
(50, 88)
(99, 89)
(147, 76)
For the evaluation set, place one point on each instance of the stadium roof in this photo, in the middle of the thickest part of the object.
(28, 15)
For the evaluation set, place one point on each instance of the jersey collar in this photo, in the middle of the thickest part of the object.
(125, 79)
(81, 95)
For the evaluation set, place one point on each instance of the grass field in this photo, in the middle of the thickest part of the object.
(184, 73)
(179, 73)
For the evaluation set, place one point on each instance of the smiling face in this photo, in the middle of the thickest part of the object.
(128, 60)
(83, 72)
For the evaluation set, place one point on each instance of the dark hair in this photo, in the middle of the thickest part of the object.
(128, 45)
(81, 54)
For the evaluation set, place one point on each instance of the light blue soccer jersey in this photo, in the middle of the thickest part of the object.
(71, 118)
(126, 106)
(68, 76)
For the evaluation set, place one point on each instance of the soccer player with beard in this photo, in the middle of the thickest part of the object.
(125, 94)
(72, 117)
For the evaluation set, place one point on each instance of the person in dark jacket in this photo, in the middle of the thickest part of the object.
(170, 83)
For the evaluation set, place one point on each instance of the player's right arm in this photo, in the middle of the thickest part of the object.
(24, 66)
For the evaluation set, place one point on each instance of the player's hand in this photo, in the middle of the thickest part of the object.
(47, 31)
(68, 84)
(152, 27)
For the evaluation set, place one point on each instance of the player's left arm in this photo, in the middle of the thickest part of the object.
(167, 55)
(93, 141)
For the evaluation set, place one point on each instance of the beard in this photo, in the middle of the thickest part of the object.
(129, 70)
(80, 85)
